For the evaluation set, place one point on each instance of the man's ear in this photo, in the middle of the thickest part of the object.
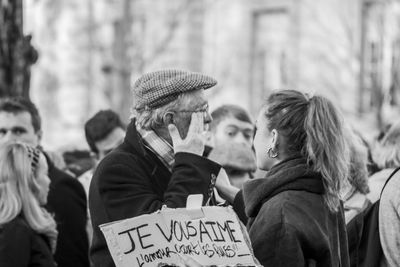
(168, 118)
(275, 137)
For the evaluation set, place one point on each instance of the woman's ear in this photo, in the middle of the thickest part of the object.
(168, 118)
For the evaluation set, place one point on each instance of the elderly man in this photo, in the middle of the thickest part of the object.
(160, 161)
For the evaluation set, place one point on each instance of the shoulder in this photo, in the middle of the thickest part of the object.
(393, 184)
(62, 181)
(18, 228)
(16, 242)
(64, 189)
(119, 157)
(376, 183)
(119, 167)
(293, 208)
(390, 194)
(121, 162)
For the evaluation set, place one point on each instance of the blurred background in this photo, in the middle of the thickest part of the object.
(75, 57)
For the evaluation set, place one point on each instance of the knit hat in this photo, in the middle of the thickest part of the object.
(159, 88)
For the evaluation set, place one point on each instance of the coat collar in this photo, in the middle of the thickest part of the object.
(291, 174)
(132, 138)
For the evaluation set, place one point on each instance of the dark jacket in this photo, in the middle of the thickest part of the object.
(131, 181)
(289, 223)
(67, 201)
(21, 246)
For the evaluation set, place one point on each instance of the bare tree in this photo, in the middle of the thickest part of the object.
(16, 51)
(131, 55)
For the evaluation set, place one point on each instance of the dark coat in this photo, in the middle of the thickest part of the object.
(289, 223)
(131, 181)
(21, 246)
(67, 201)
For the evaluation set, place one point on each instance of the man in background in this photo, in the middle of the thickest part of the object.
(104, 132)
(232, 133)
(20, 121)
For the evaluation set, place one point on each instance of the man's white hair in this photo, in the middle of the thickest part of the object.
(152, 119)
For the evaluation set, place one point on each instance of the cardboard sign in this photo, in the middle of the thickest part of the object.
(210, 235)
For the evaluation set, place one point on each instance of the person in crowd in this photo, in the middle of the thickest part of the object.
(232, 133)
(386, 154)
(104, 131)
(58, 160)
(20, 121)
(372, 166)
(78, 160)
(380, 156)
(160, 161)
(28, 232)
(295, 216)
(354, 195)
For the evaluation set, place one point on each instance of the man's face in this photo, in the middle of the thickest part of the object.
(18, 127)
(182, 116)
(111, 141)
(233, 130)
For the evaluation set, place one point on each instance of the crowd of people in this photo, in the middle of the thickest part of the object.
(296, 176)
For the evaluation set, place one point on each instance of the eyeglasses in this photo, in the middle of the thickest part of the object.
(203, 109)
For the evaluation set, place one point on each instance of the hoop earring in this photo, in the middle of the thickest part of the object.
(271, 153)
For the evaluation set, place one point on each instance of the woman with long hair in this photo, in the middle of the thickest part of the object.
(295, 215)
(27, 231)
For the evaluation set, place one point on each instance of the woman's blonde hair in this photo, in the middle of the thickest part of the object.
(386, 151)
(314, 128)
(19, 190)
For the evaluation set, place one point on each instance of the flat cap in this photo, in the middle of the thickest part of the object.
(159, 88)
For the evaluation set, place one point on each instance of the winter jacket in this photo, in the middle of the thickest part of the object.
(131, 181)
(289, 223)
(21, 246)
(67, 201)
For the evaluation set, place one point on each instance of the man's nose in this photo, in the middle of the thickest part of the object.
(240, 139)
(207, 117)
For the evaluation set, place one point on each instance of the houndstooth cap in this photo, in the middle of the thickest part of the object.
(159, 88)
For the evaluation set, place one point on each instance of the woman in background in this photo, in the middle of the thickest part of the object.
(354, 195)
(295, 215)
(27, 231)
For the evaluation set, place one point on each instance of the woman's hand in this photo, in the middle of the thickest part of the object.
(224, 187)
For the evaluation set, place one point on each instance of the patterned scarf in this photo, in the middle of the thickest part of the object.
(159, 146)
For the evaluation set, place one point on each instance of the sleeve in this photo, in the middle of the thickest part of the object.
(239, 208)
(68, 202)
(277, 245)
(126, 189)
(15, 246)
